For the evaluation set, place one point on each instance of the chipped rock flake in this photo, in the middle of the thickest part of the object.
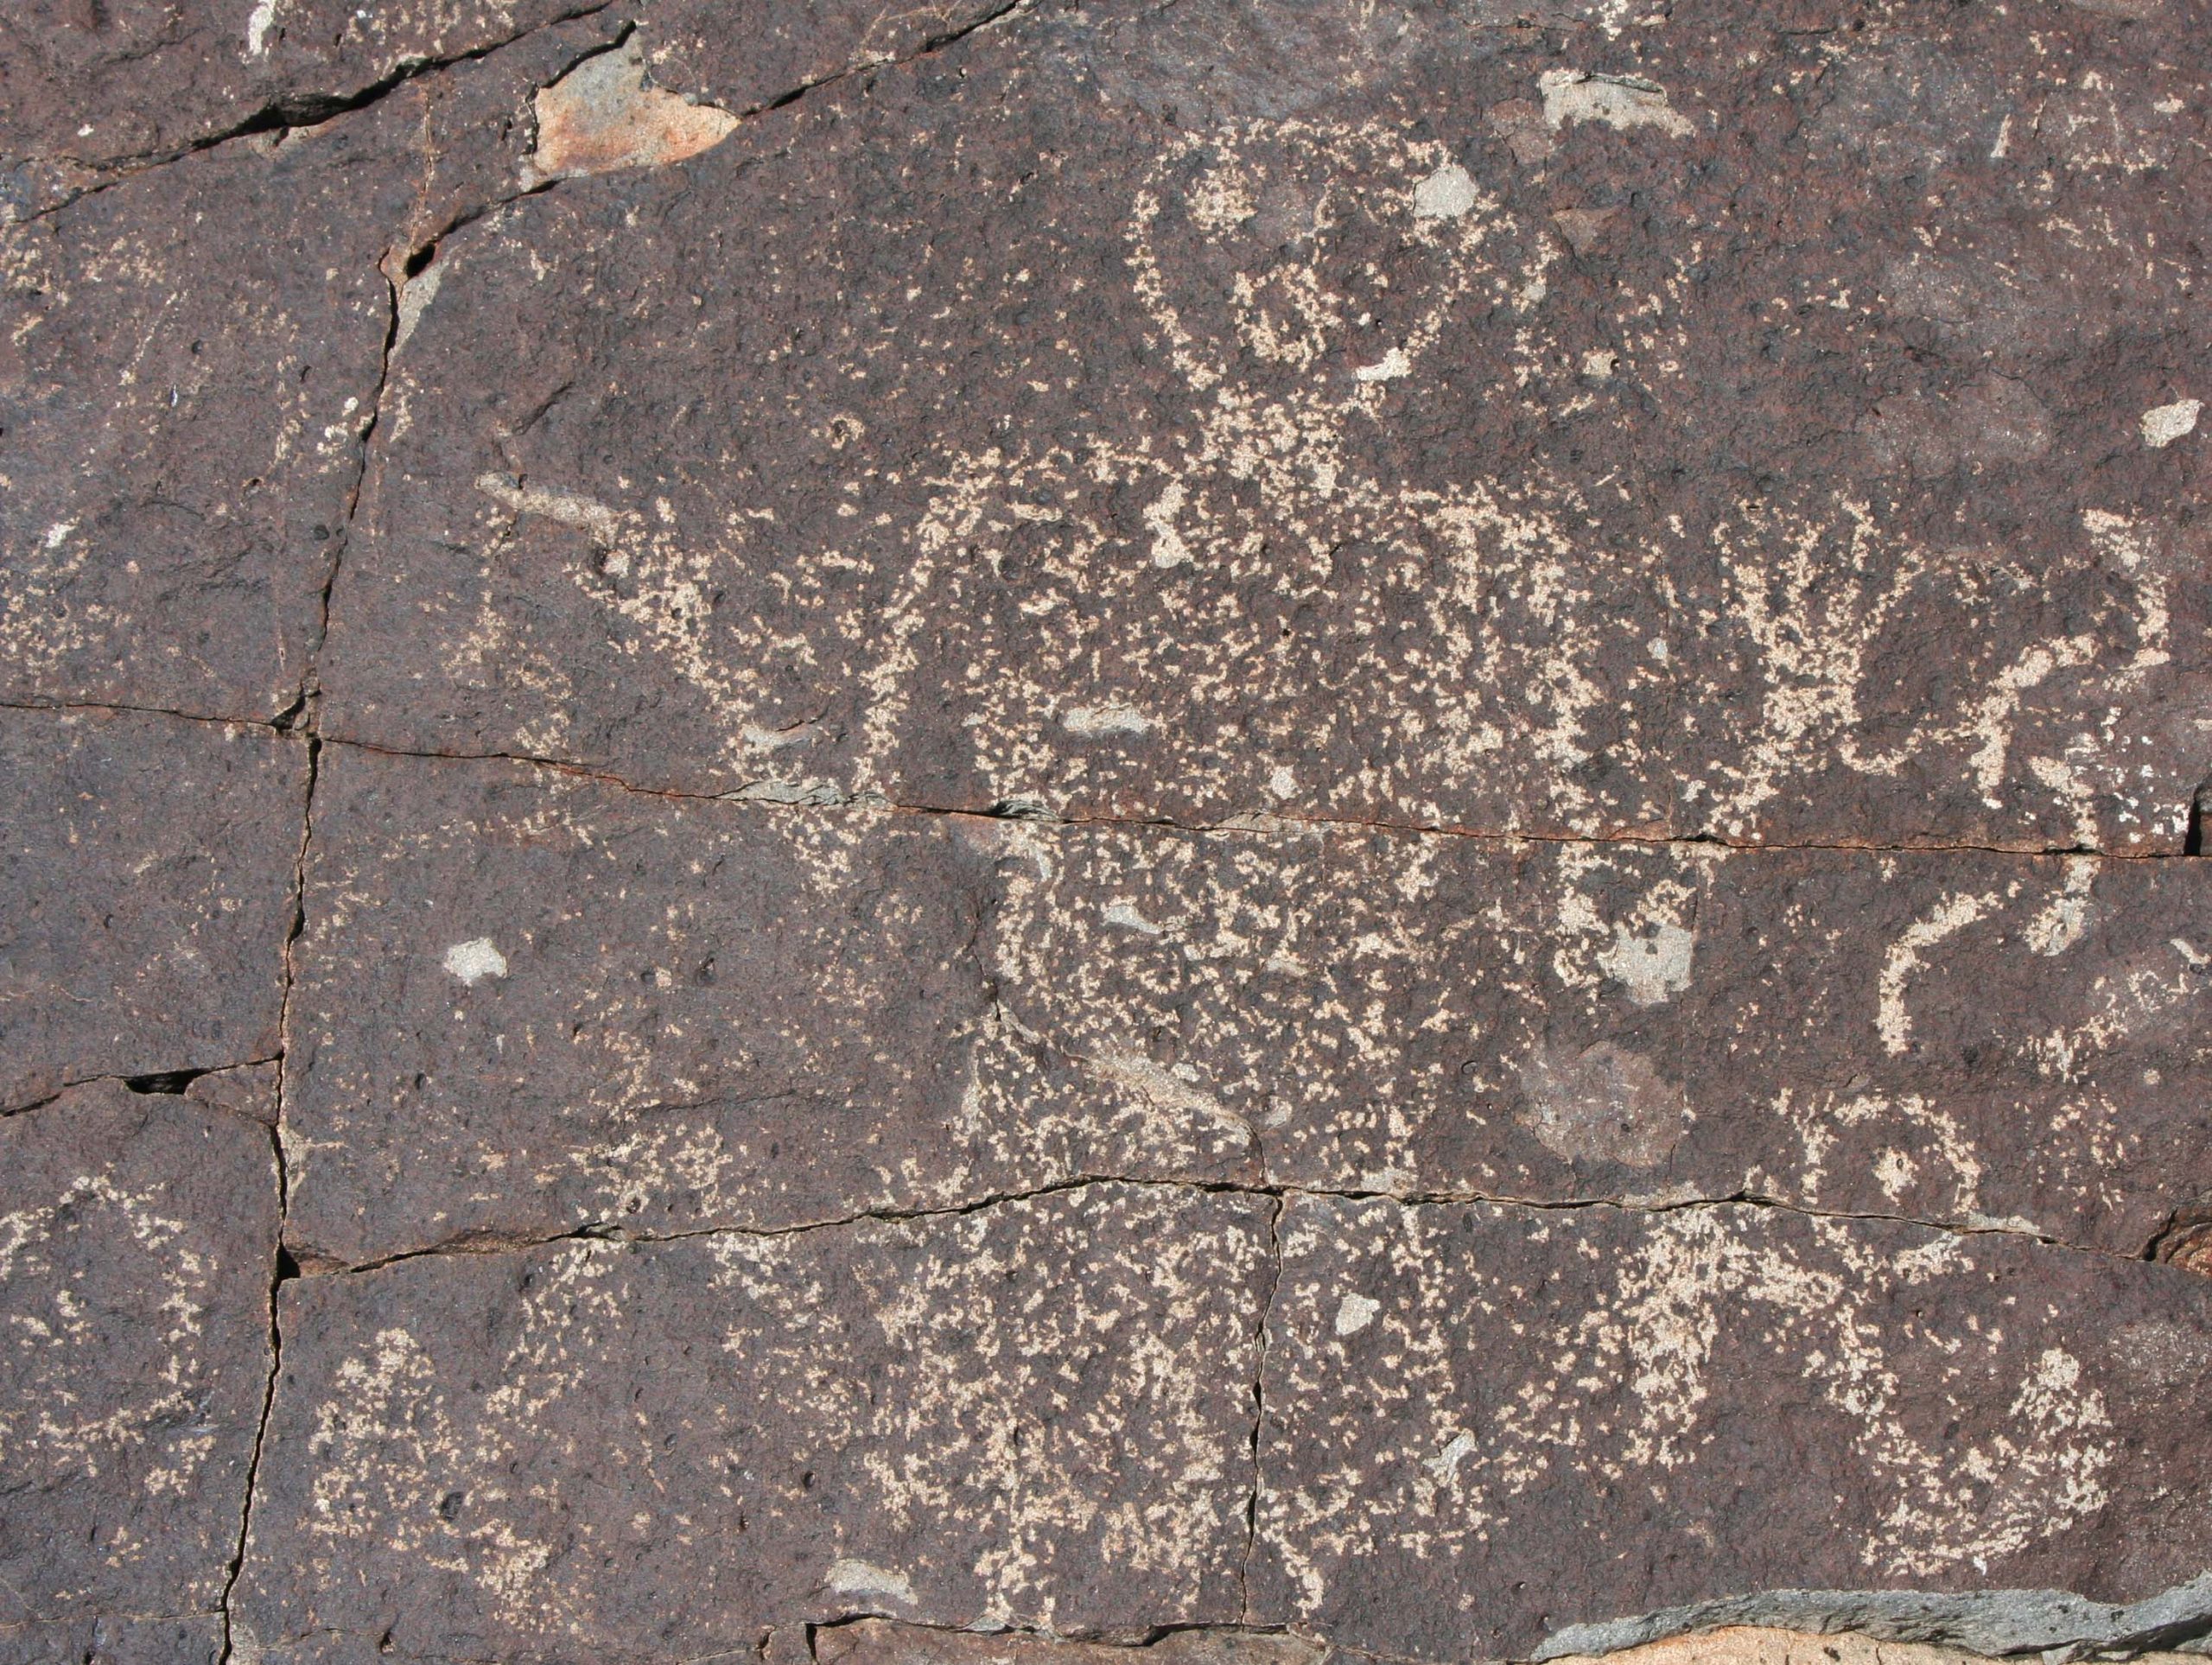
(607, 114)
(2164, 423)
(1605, 1105)
(1617, 101)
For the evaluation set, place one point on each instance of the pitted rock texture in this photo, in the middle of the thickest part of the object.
(148, 867)
(1041, 1411)
(136, 1238)
(1453, 1392)
(184, 412)
(100, 91)
(1269, 465)
(1232, 830)
(595, 1007)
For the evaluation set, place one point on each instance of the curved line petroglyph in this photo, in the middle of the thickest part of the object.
(1632, 1369)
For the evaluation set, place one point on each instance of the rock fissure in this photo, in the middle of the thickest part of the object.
(1255, 821)
(147, 1083)
(1260, 1412)
(493, 1243)
(300, 112)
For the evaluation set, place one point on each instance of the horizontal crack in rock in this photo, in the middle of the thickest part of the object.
(1248, 823)
(490, 1242)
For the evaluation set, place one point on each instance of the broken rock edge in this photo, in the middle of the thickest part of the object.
(2056, 1623)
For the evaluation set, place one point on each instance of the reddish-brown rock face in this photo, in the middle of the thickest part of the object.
(1220, 830)
(141, 1229)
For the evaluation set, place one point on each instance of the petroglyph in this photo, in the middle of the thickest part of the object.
(1626, 1384)
(1034, 1414)
(979, 623)
(137, 1236)
(1225, 830)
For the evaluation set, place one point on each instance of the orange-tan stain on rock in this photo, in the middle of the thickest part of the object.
(605, 114)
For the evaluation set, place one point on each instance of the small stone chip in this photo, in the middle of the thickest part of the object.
(474, 960)
(2164, 423)
(604, 115)
(1445, 194)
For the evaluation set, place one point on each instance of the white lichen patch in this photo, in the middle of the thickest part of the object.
(1390, 367)
(869, 1581)
(1091, 721)
(259, 22)
(1654, 964)
(474, 960)
(2164, 423)
(1354, 1312)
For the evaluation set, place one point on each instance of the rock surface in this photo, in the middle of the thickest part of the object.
(184, 407)
(1484, 1423)
(884, 1641)
(1039, 1412)
(1262, 466)
(149, 868)
(137, 1250)
(99, 91)
(529, 1002)
(1234, 829)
